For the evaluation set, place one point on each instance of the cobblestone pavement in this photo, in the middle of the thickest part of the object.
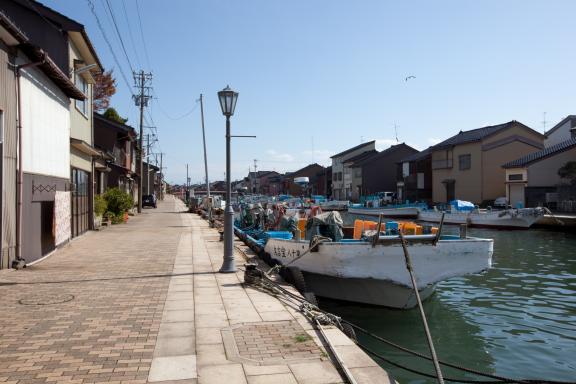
(106, 331)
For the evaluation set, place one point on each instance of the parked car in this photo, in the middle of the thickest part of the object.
(149, 201)
(387, 197)
(500, 202)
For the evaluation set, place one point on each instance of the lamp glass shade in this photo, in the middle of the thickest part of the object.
(227, 99)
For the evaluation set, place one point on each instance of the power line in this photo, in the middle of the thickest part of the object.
(130, 33)
(142, 34)
(119, 35)
(187, 113)
(91, 6)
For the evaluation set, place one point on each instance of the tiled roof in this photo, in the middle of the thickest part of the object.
(123, 127)
(63, 23)
(541, 155)
(362, 156)
(417, 156)
(473, 135)
(36, 54)
(304, 169)
(381, 154)
(373, 142)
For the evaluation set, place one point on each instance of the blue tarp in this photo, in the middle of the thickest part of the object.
(461, 205)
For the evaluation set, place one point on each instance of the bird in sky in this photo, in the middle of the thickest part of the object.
(409, 77)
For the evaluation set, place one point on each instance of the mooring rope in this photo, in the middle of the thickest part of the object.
(315, 313)
(421, 309)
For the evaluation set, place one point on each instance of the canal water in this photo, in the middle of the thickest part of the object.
(517, 320)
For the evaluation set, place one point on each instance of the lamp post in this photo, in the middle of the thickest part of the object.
(228, 103)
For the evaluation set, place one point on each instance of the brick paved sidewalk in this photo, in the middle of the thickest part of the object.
(143, 302)
(113, 291)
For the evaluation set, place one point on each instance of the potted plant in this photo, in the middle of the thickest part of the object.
(118, 204)
(100, 207)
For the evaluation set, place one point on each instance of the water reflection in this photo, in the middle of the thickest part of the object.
(518, 319)
(457, 340)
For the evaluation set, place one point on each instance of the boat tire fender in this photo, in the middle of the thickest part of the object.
(266, 257)
(348, 330)
(311, 298)
(274, 262)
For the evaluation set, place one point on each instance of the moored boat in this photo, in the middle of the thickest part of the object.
(334, 205)
(392, 211)
(373, 271)
(508, 218)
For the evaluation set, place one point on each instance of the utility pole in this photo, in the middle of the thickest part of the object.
(141, 100)
(204, 140)
(148, 164)
(187, 183)
(161, 178)
(256, 176)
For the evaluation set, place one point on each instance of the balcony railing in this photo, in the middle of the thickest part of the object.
(442, 164)
(120, 157)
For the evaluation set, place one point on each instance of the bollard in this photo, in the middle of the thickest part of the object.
(463, 231)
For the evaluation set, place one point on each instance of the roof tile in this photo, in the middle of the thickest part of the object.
(540, 155)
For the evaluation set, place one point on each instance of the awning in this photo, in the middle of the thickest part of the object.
(84, 147)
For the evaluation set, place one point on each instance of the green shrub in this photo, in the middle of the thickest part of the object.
(118, 201)
(100, 205)
(117, 219)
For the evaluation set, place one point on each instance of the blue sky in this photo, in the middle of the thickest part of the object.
(316, 77)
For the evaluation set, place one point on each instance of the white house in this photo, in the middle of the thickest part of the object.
(564, 130)
(342, 189)
(42, 169)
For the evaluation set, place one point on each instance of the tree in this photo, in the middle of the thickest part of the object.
(568, 171)
(112, 114)
(104, 88)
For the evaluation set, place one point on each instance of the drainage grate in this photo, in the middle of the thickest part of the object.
(45, 299)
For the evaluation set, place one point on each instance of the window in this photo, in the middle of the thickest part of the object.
(357, 172)
(420, 180)
(81, 84)
(464, 162)
(405, 169)
(515, 177)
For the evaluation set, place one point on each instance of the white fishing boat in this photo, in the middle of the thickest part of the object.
(508, 218)
(405, 212)
(359, 272)
(334, 205)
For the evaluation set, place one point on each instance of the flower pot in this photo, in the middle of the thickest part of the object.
(125, 217)
(97, 222)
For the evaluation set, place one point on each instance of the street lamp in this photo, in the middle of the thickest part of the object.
(228, 103)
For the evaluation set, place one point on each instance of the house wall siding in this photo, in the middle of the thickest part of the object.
(8, 107)
(485, 180)
(81, 124)
(39, 32)
(515, 130)
(493, 175)
(544, 173)
(468, 184)
(339, 187)
(46, 126)
(561, 134)
(80, 160)
(380, 174)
